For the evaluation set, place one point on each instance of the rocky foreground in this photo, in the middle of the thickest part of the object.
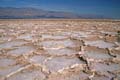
(59, 49)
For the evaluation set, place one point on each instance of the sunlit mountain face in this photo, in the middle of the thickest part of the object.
(60, 9)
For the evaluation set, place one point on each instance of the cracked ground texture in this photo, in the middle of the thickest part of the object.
(59, 49)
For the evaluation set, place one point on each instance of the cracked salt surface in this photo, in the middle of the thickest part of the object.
(58, 44)
(25, 37)
(63, 51)
(110, 33)
(10, 69)
(39, 59)
(21, 50)
(59, 50)
(7, 66)
(46, 36)
(12, 44)
(101, 67)
(61, 62)
(6, 61)
(28, 75)
(97, 55)
(72, 76)
(100, 44)
(80, 34)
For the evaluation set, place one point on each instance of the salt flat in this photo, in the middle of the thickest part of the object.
(59, 49)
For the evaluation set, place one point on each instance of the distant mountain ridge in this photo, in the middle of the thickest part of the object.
(33, 13)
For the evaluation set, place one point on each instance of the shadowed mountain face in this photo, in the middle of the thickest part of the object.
(23, 13)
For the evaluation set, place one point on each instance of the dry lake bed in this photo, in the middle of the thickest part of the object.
(52, 49)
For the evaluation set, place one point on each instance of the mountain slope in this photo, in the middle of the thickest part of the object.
(33, 13)
(15, 13)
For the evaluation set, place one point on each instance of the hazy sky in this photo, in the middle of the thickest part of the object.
(108, 8)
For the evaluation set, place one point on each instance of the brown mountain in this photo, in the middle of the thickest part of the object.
(19, 13)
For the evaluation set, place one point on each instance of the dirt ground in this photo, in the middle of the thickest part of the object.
(59, 49)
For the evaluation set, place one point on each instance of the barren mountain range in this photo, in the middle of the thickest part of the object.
(28, 13)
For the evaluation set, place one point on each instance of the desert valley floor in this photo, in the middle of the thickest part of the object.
(51, 49)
